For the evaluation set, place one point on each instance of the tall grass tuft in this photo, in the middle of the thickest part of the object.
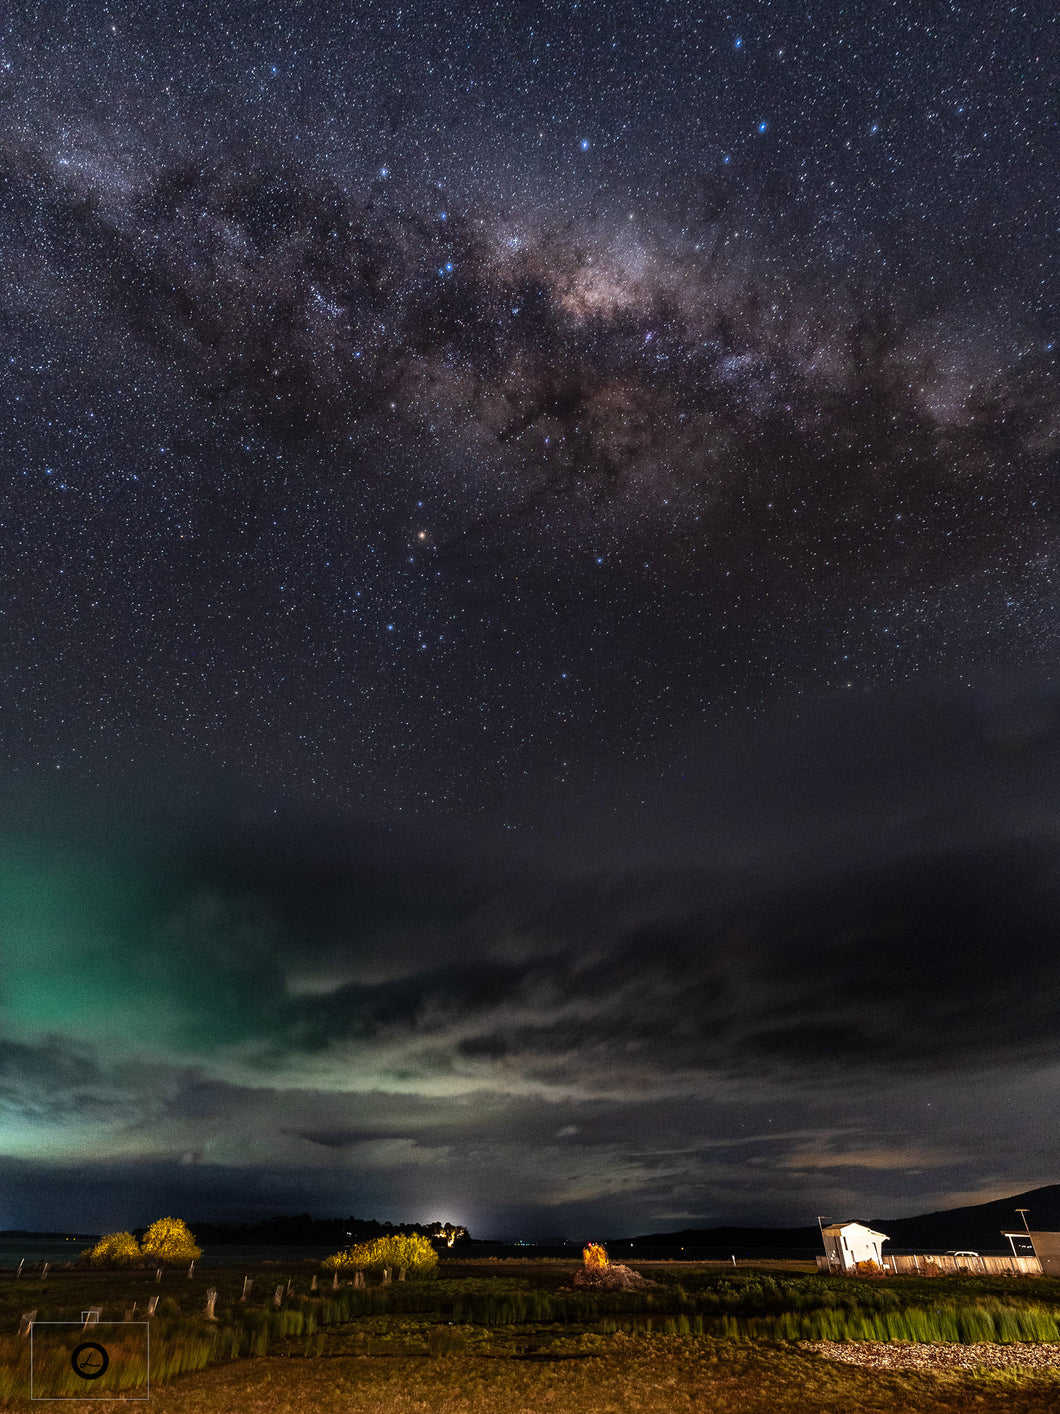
(946, 1324)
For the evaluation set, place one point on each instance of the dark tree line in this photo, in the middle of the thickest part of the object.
(302, 1230)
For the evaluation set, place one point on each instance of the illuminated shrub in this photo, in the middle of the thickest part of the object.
(410, 1250)
(116, 1249)
(595, 1257)
(169, 1240)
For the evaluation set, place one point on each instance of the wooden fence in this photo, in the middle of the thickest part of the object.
(938, 1266)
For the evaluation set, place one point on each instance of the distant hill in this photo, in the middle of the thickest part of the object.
(57, 1236)
(734, 1237)
(977, 1227)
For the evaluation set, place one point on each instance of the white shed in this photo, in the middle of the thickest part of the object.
(847, 1244)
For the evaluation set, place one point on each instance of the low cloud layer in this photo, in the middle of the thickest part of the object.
(377, 1021)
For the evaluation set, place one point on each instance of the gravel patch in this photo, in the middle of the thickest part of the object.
(906, 1355)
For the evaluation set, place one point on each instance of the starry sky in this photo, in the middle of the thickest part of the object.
(529, 598)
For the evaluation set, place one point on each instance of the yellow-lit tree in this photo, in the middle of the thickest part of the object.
(169, 1240)
(410, 1250)
(116, 1249)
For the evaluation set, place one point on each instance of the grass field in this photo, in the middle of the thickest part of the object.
(505, 1337)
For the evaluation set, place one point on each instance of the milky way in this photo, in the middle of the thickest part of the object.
(641, 363)
(529, 593)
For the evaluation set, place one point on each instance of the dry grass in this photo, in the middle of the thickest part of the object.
(638, 1376)
(511, 1341)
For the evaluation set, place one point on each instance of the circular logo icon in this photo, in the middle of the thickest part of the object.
(89, 1360)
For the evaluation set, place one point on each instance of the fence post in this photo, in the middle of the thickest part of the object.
(290, 1286)
(191, 1271)
(401, 1273)
(277, 1298)
(335, 1280)
(20, 1266)
(44, 1272)
(158, 1274)
(386, 1276)
(248, 1282)
(313, 1283)
(358, 1278)
(211, 1301)
(28, 1317)
(152, 1305)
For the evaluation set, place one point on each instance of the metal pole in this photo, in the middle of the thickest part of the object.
(1023, 1214)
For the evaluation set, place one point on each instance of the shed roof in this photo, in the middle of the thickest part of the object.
(833, 1230)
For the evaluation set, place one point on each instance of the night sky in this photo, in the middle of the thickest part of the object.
(528, 596)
